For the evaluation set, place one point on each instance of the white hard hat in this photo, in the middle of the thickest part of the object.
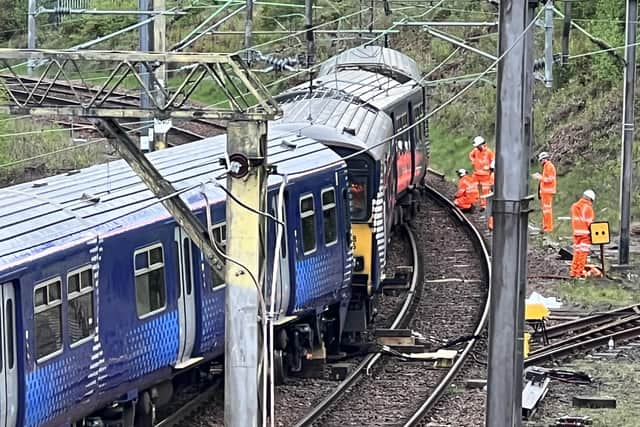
(461, 172)
(542, 156)
(590, 194)
(478, 141)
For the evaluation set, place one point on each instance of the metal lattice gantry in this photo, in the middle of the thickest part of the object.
(63, 87)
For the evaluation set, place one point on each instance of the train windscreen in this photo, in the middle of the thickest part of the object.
(359, 198)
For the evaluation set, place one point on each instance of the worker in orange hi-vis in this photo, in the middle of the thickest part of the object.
(581, 218)
(481, 157)
(546, 190)
(467, 194)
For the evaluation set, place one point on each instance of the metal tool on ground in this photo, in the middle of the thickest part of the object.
(534, 390)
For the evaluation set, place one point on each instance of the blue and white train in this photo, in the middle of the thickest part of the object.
(105, 303)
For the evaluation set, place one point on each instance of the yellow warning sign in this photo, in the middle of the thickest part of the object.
(599, 233)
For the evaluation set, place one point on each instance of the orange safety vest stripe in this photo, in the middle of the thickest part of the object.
(481, 160)
(468, 190)
(548, 182)
(581, 216)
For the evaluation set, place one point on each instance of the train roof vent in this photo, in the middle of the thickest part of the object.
(39, 184)
(88, 197)
(350, 131)
(289, 145)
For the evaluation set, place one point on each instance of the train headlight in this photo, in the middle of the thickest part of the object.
(359, 263)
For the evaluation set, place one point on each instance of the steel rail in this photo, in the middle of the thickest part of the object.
(318, 411)
(625, 334)
(473, 232)
(177, 418)
(588, 321)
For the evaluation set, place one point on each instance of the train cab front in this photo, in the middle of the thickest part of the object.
(367, 230)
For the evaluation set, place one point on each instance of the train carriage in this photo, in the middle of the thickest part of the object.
(362, 104)
(106, 300)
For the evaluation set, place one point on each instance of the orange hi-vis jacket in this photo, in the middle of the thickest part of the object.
(481, 160)
(468, 193)
(548, 181)
(581, 217)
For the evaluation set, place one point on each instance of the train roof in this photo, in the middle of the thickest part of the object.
(376, 58)
(366, 87)
(79, 206)
(339, 120)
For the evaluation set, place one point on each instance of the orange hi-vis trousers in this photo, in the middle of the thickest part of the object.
(581, 248)
(484, 181)
(546, 200)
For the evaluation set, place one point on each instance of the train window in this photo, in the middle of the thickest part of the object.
(219, 232)
(48, 318)
(80, 311)
(149, 274)
(359, 211)
(329, 216)
(308, 220)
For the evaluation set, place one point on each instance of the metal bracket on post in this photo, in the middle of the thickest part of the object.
(512, 207)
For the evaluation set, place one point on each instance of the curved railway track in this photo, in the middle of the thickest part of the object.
(384, 390)
(588, 333)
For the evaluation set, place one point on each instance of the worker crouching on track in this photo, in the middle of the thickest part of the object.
(467, 194)
(581, 218)
(546, 190)
(481, 157)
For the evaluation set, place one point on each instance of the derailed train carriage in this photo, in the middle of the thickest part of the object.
(105, 304)
(365, 104)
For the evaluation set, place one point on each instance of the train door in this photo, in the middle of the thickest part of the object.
(8, 358)
(283, 287)
(186, 297)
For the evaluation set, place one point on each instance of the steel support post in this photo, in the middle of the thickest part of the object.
(248, 28)
(161, 127)
(566, 31)
(308, 24)
(627, 131)
(510, 207)
(548, 44)
(31, 32)
(247, 148)
(146, 45)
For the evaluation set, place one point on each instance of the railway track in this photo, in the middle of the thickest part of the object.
(588, 333)
(384, 390)
(60, 93)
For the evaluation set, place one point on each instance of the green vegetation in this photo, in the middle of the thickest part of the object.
(595, 294)
(614, 378)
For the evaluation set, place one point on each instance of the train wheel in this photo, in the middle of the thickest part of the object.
(278, 369)
(145, 411)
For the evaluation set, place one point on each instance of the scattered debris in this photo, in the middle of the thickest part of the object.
(572, 421)
(549, 302)
(594, 402)
(534, 390)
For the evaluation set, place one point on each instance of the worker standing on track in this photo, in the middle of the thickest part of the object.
(581, 218)
(467, 194)
(481, 157)
(546, 190)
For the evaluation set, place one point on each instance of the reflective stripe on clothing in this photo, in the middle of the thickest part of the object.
(481, 160)
(581, 217)
(467, 193)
